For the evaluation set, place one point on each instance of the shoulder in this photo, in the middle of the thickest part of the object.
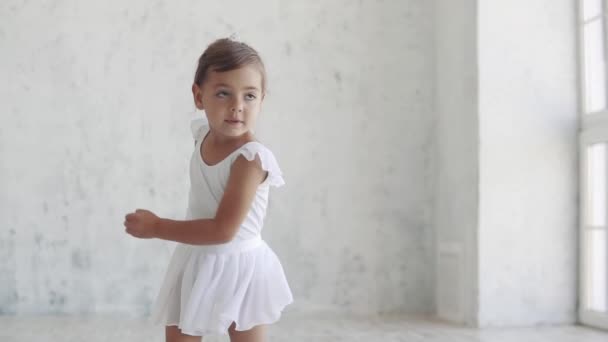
(198, 128)
(254, 148)
(255, 153)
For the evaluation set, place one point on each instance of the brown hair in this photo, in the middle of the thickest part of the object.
(226, 54)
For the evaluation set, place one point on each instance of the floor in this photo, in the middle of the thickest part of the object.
(301, 328)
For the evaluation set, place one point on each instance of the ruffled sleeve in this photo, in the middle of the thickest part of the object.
(199, 127)
(269, 162)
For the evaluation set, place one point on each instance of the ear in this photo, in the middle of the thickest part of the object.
(197, 94)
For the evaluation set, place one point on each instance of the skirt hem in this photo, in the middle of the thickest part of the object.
(224, 330)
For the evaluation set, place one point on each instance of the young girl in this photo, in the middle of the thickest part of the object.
(222, 278)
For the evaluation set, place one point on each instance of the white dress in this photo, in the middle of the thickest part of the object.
(206, 288)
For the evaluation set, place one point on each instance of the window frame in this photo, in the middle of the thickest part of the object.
(593, 129)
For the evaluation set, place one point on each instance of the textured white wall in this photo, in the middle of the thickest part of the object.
(457, 142)
(95, 109)
(528, 168)
(506, 192)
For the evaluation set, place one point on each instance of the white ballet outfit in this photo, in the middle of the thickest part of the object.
(207, 287)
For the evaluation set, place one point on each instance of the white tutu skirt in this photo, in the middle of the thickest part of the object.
(206, 288)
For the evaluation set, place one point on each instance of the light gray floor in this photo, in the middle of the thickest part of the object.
(292, 328)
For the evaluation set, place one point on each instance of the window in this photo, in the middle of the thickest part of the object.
(594, 51)
(593, 45)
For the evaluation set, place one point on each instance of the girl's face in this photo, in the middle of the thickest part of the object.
(231, 99)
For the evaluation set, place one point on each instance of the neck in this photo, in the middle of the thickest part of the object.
(223, 140)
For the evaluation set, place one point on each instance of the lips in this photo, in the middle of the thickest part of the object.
(233, 122)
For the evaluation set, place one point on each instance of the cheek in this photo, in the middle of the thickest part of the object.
(216, 104)
(255, 105)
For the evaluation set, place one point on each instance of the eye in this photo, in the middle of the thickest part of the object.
(222, 94)
(250, 97)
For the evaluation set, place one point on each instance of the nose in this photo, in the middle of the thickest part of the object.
(237, 106)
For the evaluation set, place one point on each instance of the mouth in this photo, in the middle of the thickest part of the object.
(233, 122)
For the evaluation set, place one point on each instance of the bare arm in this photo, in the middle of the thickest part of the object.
(245, 177)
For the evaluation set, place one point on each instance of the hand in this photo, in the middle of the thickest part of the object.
(142, 224)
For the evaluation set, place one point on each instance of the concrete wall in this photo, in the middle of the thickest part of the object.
(506, 193)
(422, 142)
(527, 162)
(457, 159)
(95, 109)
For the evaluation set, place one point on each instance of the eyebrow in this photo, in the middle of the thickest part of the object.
(228, 86)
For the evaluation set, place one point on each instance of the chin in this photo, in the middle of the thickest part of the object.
(235, 132)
